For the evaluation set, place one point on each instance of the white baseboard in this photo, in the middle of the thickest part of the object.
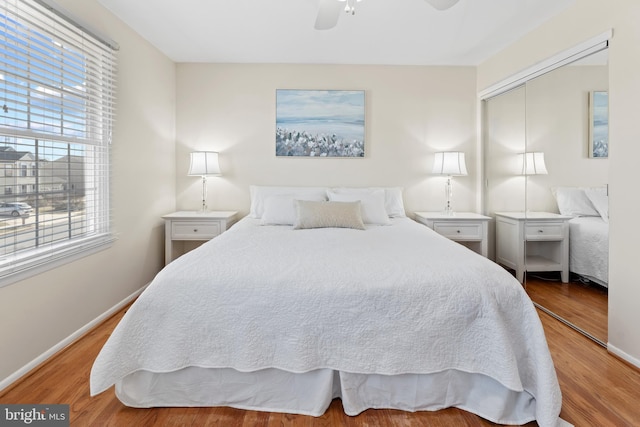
(622, 355)
(67, 341)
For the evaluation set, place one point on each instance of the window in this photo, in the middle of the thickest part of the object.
(58, 94)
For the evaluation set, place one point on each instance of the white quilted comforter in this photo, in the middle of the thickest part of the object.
(387, 300)
(589, 248)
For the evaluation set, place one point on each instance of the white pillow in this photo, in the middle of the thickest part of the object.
(281, 209)
(393, 202)
(600, 201)
(573, 201)
(312, 214)
(372, 204)
(260, 193)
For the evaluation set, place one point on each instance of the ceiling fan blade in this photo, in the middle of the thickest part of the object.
(442, 4)
(328, 14)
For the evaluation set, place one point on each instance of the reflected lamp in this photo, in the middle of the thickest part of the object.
(533, 163)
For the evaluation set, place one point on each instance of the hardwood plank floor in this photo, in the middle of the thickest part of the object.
(598, 390)
(583, 304)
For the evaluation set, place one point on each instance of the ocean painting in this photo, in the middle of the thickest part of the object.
(319, 123)
(599, 124)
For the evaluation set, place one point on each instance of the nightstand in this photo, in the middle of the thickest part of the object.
(533, 241)
(469, 229)
(194, 226)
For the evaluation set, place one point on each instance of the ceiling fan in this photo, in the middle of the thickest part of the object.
(329, 10)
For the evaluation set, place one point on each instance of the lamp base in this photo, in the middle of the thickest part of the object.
(448, 191)
(448, 211)
(203, 209)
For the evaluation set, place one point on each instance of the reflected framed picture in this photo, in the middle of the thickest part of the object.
(598, 124)
(320, 123)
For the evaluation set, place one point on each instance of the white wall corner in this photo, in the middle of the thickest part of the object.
(622, 355)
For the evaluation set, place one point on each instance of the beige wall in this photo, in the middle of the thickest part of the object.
(38, 313)
(582, 21)
(411, 112)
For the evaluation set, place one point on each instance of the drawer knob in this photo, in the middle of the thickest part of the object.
(458, 231)
(195, 230)
(540, 231)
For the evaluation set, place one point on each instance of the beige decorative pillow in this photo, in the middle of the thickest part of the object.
(311, 214)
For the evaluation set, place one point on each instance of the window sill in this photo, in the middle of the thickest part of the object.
(50, 259)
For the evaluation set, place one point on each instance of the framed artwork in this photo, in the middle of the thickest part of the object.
(598, 124)
(319, 123)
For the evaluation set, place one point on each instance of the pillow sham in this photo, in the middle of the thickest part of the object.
(312, 214)
(393, 201)
(600, 201)
(281, 209)
(260, 193)
(371, 204)
(573, 201)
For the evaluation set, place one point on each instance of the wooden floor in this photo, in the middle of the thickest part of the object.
(583, 304)
(598, 390)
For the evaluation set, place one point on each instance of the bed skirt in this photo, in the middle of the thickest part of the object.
(311, 393)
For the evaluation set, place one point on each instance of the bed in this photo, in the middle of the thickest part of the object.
(588, 231)
(376, 310)
(589, 249)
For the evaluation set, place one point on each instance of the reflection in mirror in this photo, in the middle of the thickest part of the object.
(504, 141)
(560, 121)
(551, 229)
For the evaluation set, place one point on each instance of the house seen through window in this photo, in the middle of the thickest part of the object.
(57, 94)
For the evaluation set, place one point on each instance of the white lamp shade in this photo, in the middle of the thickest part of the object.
(449, 163)
(533, 164)
(204, 163)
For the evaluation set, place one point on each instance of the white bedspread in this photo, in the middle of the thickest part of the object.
(387, 300)
(589, 248)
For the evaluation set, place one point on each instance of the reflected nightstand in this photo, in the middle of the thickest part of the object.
(533, 241)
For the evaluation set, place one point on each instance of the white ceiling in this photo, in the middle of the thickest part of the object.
(409, 32)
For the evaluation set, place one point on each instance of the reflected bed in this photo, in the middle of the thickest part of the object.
(589, 249)
(588, 230)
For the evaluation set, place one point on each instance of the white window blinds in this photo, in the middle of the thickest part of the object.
(58, 98)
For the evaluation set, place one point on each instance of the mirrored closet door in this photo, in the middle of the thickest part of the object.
(504, 141)
(546, 187)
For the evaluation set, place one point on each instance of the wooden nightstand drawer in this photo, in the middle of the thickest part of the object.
(459, 231)
(541, 231)
(187, 230)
